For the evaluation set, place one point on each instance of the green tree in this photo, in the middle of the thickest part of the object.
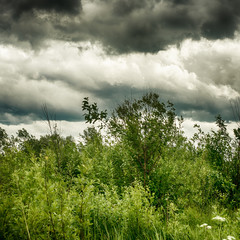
(235, 104)
(217, 148)
(4, 140)
(144, 126)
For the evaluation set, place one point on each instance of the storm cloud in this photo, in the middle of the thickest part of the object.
(19, 7)
(121, 26)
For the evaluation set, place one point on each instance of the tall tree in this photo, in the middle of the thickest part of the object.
(145, 126)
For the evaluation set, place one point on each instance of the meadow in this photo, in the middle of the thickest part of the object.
(133, 175)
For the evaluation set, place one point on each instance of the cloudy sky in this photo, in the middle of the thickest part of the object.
(58, 52)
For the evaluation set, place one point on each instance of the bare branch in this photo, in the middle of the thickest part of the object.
(235, 105)
(47, 117)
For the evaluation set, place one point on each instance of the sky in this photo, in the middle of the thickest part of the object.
(57, 52)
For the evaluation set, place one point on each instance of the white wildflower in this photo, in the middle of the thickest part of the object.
(230, 238)
(204, 225)
(218, 218)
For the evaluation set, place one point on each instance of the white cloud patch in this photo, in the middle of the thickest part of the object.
(189, 130)
(41, 128)
(216, 62)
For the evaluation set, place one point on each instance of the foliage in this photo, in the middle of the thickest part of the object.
(92, 114)
(140, 178)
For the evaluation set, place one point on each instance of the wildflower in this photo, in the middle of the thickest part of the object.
(230, 238)
(204, 225)
(218, 218)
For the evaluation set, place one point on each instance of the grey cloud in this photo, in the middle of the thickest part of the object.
(122, 26)
(198, 105)
(205, 112)
(18, 7)
(150, 26)
(221, 66)
(20, 22)
(181, 1)
(33, 32)
(14, 119)
(145, 28)
(23, 101)
(125, 7)
(16, 114)
(223, 20)
(38, 81)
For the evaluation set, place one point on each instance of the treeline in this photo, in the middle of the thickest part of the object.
(132, 176)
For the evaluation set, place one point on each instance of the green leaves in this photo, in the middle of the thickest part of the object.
(141, 179)
(145, 126)
(93, 113)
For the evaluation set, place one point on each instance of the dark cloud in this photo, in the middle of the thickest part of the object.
(18, 7)
(20, 21)
(144, 26)
(181, 1)
(205, 110)
(222, 21)
(125, 7)
(13, 114)
(122, 26)
(150, 26)
(198, 105)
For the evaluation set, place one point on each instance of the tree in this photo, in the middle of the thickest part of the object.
(3, 139)
(218, 147)
(236, 161)
(145, 127)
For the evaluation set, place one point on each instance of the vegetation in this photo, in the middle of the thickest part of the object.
(135, 176)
